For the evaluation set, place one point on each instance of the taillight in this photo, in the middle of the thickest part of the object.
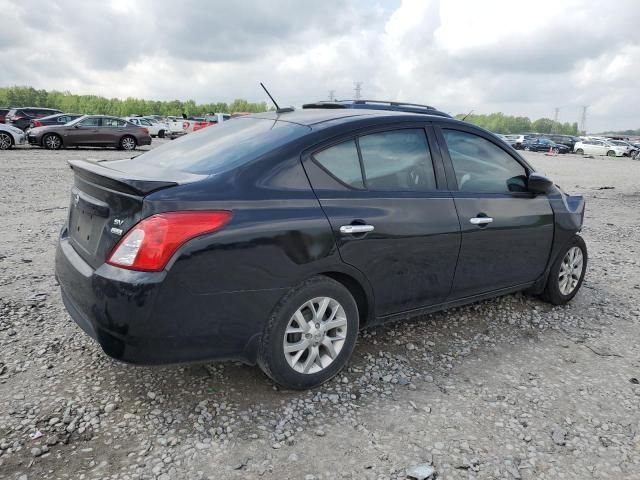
(37, 123)
(151, 243)
(145, 130)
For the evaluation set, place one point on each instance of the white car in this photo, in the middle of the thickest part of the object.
(630, 149)
(156, 128)
(10, 136)
(599, 147)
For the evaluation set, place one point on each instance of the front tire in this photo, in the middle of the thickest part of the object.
(580, 151)
(6, 141)
(567, 273)
(52, 141)
(311, 334)
(128, 143)
(611, 153)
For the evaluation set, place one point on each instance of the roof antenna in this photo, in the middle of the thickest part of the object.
(278, 109)
(463, 118)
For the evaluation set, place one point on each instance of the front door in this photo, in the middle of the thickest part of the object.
(506, 231)
(385, 196)
(84, 132)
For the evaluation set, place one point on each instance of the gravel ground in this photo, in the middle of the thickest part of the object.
(506, 389)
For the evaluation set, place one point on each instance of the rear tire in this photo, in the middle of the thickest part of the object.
(128, 143)
(317, 322)
(580, 151)
(161, 134)
(611, 153)
(52, 141)
(6, 141)
(564, 279)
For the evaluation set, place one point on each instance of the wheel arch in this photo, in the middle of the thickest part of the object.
(364, 299)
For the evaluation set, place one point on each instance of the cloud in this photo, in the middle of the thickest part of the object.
(523, 58)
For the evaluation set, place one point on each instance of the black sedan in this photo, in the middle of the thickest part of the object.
(56, 119)
(273, 238)
(544, 145)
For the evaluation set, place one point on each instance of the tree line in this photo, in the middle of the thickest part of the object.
(506, 124)
(68, 102)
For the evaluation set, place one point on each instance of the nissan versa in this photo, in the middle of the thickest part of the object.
(273, 238)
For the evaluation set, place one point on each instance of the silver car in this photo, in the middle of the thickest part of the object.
(10, 136)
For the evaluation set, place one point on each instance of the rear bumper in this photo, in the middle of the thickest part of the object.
(33, 140)
(150, 318)
(144, 140)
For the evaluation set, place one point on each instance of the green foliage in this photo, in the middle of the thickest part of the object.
(627, 133)
(68, 102)
(506, 124)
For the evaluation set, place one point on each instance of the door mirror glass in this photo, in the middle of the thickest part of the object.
(538, 183)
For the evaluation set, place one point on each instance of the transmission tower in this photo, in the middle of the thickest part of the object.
(556, 112)
(332, 95)
(583, 120)
(357, 87)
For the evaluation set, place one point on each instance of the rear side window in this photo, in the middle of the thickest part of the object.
(90, 122)
(398, 160)
(482, 166)
(342, 162)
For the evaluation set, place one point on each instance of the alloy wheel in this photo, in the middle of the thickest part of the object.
(5, 141)
(570, 270)
(315, 335)
(52, 142)
(128, 143)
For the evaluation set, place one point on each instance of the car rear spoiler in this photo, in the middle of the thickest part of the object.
(100, 174)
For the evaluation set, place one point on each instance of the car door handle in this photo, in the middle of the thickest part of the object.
(480, 220)
(351, 229)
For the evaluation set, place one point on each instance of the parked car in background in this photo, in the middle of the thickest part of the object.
(543, 144)
(56, 119)
(3, 113)
(10, 136)
(630, 149)
(273, 238)
(177, 125)
(91, 131)
(156, 128)
(599, 147)
(21, 117)
(567, 140)
(520, 139)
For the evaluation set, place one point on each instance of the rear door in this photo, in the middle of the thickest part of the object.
(111, 131)
(385, 196)
(506, 231)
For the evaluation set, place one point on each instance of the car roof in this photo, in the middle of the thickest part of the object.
(311, 117)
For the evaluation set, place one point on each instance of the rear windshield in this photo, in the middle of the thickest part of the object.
(220, 147)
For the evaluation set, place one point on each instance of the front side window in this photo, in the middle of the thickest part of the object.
(398, 160)
(481, 166)
(342, 162)
(90, 122)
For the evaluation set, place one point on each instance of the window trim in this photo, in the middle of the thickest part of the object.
(435, 152)
(452, 181)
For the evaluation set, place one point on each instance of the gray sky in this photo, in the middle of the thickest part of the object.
(520, 57)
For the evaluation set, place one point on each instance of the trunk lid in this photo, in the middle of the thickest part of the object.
(106, 201)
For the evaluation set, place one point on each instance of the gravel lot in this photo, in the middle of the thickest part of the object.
(506, 389)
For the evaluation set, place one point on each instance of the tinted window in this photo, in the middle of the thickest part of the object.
(482, 166)
(214, 150)
(90, 122)
(342, 162)
(398, 160)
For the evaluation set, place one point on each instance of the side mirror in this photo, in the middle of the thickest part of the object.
(538, 183)
(77, 125)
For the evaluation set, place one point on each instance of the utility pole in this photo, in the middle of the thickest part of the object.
(583, 120)
(556, 112)
(332, 95)
(357, 87)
